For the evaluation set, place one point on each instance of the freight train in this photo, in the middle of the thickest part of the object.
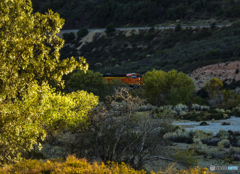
(132, 79)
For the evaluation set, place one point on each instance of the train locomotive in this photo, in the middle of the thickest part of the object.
(132, 79)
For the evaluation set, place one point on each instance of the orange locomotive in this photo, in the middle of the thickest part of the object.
(133, 79)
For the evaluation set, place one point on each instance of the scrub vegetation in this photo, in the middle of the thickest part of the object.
(59, 116)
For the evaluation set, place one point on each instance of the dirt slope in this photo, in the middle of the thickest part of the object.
(228, 72)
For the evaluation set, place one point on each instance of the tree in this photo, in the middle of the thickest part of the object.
(29, 48)
(29, 52)
(213, 25)
(167, 87)
(26, 122)
(82, 32)
(110, 29)
(213, 88)
(89, 81)
(69, 36)
(178, 28)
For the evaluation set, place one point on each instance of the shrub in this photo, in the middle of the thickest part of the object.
(82, 32)
(203, 123)
(114, 85)
(225, 143)
(178, 28)
(212, 141)
(213, 25)
(228, 104)
(228, 160)
(151, 30)
(110, 29)
(74, 165)
(225, 123)
(69, 36)
(213, 88)
(234, 153)
(140, 92)
(238, 143)
(178, 136)
(188, 157)
(222, 134)
(199, 100)
(215, 154)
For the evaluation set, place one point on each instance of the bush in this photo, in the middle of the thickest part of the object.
(178, 28)
(224, 143)
(225, 123)
(82, 32)
(199, 100)
(69, 36)
(140, 92)
(212, 141)
(74, 165)
(213, 25)
(110, 29)
(222, 134)
(151, 30)
(235, 153)
(203, 123)
(213, 88)
(113, 85)
(89, 81)
(180, 135)
(187, 156)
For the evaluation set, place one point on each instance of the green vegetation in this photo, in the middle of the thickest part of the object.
(135, 12)
(82, 32)
(89, 81)
(110, 29)
(69, 36)
(178, 28)
(75, 165)
(30, 67)
(143, 51)
(38, 120)
(93, 83)
(171, 87)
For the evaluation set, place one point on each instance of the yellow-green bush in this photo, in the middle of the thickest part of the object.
(171, 87)
(74, 165)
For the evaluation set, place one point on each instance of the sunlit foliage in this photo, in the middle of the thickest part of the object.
(74, 165)
(164, 87)
(29, 61)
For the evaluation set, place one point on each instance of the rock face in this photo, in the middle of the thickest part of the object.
(228, 72)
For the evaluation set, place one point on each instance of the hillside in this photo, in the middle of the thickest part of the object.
(100, 13)
(143, 50)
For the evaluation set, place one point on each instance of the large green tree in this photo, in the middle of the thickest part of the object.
(29, 61)
(167, 87)
(29, 48)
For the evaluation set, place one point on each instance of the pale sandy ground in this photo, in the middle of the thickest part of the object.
(213, 126)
